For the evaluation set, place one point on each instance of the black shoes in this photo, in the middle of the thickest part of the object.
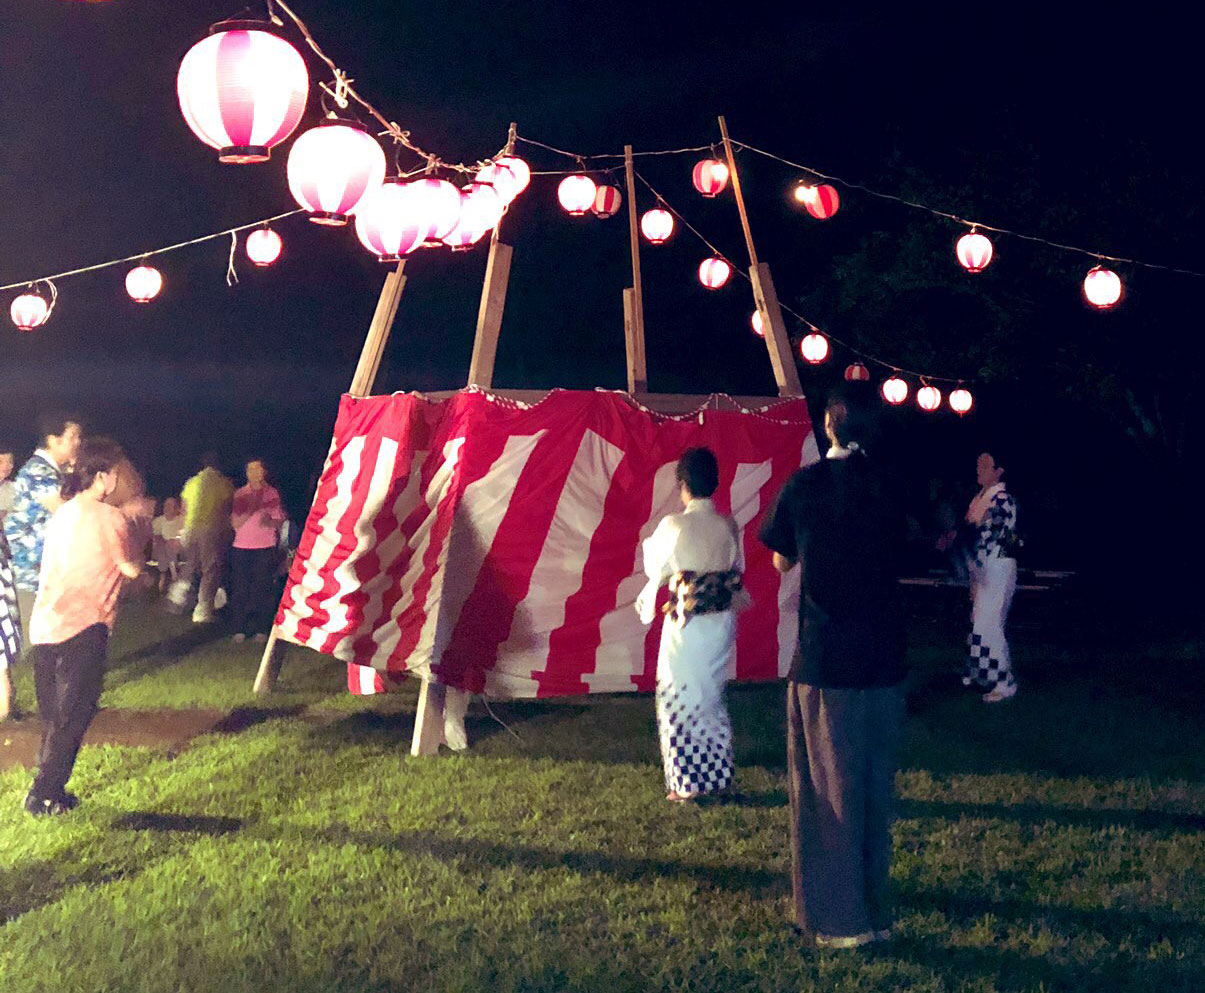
(42, 807)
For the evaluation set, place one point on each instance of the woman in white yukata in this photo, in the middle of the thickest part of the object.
(698, 553)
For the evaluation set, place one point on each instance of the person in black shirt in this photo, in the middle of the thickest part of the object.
(837, 520)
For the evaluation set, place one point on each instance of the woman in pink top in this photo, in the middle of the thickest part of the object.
(90, 551)
(256, 515)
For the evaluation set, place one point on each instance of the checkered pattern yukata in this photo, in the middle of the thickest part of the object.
(10, 621)
(993, 581)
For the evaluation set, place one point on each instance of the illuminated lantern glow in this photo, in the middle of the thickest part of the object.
(481, 209)
(29, 311)
(438, 204)
(974, 252)
(856, 372)
(520, 169)
(756, 322)
(710, 177)
(928, 398)
(143, 283)
(657, 225)
(263, 246)
(814, 348)
(714, 272)
(1102, 287)
(895, 390)
(502, 178)
(389, 223)
(242, 90)
(960, 400)
(576, 194)
(607, 201)
(820, 201)
(331, 168)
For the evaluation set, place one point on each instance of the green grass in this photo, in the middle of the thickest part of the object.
(1055, 843)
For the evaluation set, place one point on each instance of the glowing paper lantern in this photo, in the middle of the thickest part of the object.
(607, 201)
(331, 167)
(895, 390)
(263, 246)
(820, 201)
(389, 222)
(756, 321)
(856, 372)
(438, 205)
(576, 194)
(961, 401)
(814, 348)
(480, 210)
(714, 273)
(242, 90)
(1102, 287)
(928, 398)
(657, 225)
(974, 252)
(710, 177)
(143, 283)
(520, 169)
(29, 311)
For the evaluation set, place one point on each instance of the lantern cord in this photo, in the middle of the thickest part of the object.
(231, 275)
(139, 256)
(613, 155)
(924, 377)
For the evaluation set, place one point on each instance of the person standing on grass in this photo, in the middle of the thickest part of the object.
(8, 462)
(166, 545)
(206, 498)
(91, 548)
(838, 522)
(698, 553)
(10, 631)
(256, 516)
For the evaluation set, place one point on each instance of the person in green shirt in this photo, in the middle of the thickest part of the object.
(206, 498)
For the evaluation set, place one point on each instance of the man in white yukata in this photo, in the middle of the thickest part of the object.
(698, 553)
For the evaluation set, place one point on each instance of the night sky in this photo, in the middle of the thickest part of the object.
(96, 162)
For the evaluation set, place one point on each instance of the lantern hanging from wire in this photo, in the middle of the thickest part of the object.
(29, 310)
(389, 222)
(437, 203)
(714, 272)
(856, 372)
(263, 246)
(576, 194)
(242, 90)
(814, 348)
(710, 177)
(509, 176)
(607, 201)
(1102, 287)
(928, 398)
(820, 201)
(520, 169)
(960, 400)
(331, 167)
(657, 225)
(480, 211)
(756, 322)
(895, 390)
(143, 283)
(974, 251)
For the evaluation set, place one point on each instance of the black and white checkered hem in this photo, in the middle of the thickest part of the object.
(985, 668)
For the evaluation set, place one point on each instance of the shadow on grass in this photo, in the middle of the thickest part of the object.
(243, 718)
(184, 823)
(1036, 814)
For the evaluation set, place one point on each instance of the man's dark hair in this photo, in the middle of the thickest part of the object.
(699, 470)
(209, 460)
(96, 455)
(54, 423)
(853, 413)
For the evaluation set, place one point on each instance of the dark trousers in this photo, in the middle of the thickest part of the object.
(253, 588)
(68, 677)
(841, 763)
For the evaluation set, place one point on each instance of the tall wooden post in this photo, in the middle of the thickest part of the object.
(489, 313)
(633, 297)
(361, 386)
(778, 342)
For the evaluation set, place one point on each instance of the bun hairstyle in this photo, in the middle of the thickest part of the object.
(96, 455)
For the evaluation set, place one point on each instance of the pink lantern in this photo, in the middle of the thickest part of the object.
(438, 204)
(263, 246)
(657, 225)
(710, 177)
(895, 390)
(331, 167)
(856, 372)
(143, 283)
(480, 210)
(960, 400)
(607, 201)
(756, 321)
(974, 251)
(502, 178)
(389, 223)
(714, 272)
(1102, 287)
(576, 194)
(29, 311)
(928, 398)
(242, 90)
(814, 348)
(820, 201)
(521, 171)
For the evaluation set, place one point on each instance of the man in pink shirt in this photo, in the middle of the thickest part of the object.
(256, 516)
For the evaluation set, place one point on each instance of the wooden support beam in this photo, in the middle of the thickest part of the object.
(428, 719)
(633, 297)
(489, 314)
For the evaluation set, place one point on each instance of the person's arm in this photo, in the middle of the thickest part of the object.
(777, 531)
(241, 510)
(784, 564)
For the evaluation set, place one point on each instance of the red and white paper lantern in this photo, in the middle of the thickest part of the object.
(755, 322)
(331, 168)
(29, 311)
(438, 205)
(814, 348)
(242, 90)
(856, 372)
(263, 246)
(480, 210)
(1102, 287)
(389, 222)
(928, 398)
(508, 175)
(576, 194)
(974, 252)
(960, 400)
(714, 272)
(143, 283)
(820, 201)
(657, 225)
(607, 201)
(710, 176)
(895, 390)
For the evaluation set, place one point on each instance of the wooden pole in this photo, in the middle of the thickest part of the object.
(489, 314)
(361, 386)
(633, 297)
(778, 342)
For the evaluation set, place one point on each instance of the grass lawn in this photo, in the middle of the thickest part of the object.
(1053, 843)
